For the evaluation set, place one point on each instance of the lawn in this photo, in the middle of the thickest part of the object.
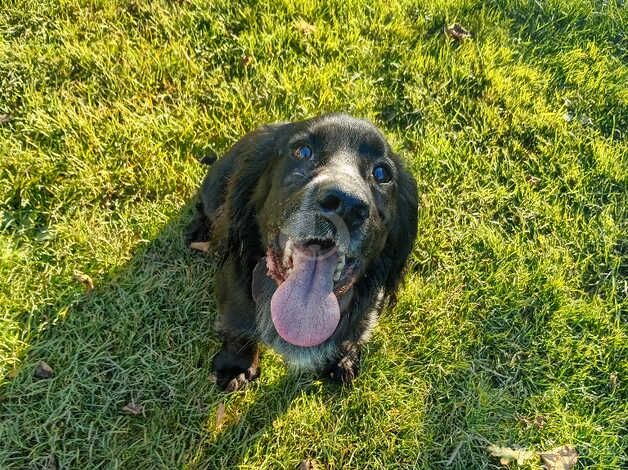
(511, 327)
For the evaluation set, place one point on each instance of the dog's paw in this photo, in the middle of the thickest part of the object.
(343, 371)
(231, 375)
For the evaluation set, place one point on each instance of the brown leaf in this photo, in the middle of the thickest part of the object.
(4, 118)
(246, 60)
(85, 280)
(507, 455)
(308, 464)
(43, 371)
(457, 32)
(533, 180)
(200, 246)
(132, 409)
(538, 421)
(613, 380)
(561, 458)
(221, 415)
(304, 27)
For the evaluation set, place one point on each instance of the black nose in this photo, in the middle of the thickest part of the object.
(351, 208)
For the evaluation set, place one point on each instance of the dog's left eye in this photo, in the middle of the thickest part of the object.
(303, 152)
(381, 174)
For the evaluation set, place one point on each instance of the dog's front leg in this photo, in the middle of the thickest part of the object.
(346, 365)
(237, 363)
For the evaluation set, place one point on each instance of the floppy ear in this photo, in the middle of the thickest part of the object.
(404, 229)
(237, 232)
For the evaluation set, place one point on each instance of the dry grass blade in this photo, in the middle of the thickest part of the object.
(221, 415)
(85, 280)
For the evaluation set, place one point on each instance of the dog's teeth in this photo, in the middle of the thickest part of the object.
(339, 267)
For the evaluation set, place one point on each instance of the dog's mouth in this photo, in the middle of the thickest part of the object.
(311, 275)
(281, 260)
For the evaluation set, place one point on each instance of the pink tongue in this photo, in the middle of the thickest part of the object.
(304, 308)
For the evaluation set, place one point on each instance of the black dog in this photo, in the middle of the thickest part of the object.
(314, 222)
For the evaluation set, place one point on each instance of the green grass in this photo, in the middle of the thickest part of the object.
(515, 305)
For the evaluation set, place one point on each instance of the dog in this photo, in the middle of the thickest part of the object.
(313, 223)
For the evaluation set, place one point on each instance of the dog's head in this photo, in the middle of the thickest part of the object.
(334, 207)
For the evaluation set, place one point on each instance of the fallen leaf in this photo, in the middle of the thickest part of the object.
(51, 462)
(561, 458)
(221, 416)
(132, 409)
(533, 180)
(4, 118)
(304, 27)
(507, 455)
(200, 246)
(457, 32)
(538, 421)
(43, 371)
(613, 380)
(246, 60)
(307, 464)
(85, 280)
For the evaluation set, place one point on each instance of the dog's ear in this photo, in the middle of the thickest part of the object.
(403, 233)
(237, 231)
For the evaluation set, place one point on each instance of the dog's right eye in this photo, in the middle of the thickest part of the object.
(303, 152)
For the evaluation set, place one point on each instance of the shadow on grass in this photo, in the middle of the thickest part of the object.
(144, 335)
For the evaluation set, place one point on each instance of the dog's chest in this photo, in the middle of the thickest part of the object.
(312, 358)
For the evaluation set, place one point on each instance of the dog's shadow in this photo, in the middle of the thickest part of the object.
(132, 372)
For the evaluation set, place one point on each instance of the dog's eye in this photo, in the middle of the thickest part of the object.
(381, 174)
(303, 152)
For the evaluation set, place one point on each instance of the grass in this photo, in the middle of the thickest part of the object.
(511, 327)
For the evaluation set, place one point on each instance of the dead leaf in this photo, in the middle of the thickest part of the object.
(613, 380)
(43, 371)
(308, 464)
(246, 60)
(561, 458)
(507, 455)
(132, 409)
(4, 118)
(304, 27)
(538, 421)
(457, 32)
(85, 280)
(221, 416)
(533, 180)
(200, 246)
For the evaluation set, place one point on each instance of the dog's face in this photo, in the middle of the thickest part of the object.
(334, 196)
